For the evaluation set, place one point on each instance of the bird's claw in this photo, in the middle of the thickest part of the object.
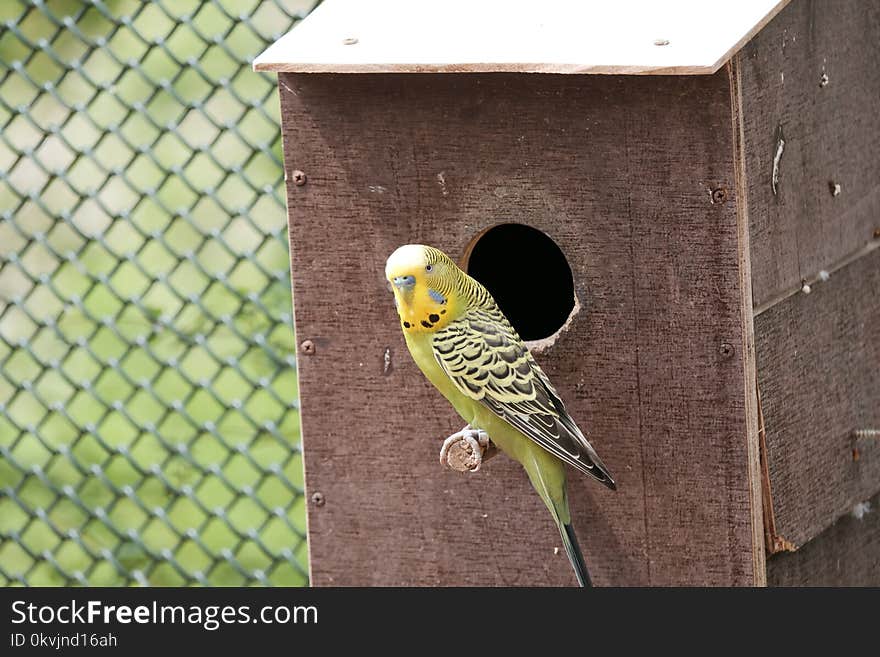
(476, 442)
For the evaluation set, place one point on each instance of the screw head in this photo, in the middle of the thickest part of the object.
(726, 350)
(307, 347)
(299, 178)
(318, 499)
(719, 195)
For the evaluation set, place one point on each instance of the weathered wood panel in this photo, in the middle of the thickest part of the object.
(619, 172)
(810, 78)
(845, 554)
(818, 358)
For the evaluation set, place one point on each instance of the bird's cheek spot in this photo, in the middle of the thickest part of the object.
(433, 318)
(407, 325)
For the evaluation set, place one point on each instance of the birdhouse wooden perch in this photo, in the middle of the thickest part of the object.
(690, 238)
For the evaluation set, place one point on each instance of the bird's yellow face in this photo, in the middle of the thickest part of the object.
(421, 279)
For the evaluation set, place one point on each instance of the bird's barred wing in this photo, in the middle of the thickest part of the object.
(486, 360)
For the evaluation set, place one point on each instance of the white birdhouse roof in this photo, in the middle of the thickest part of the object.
(638, 37)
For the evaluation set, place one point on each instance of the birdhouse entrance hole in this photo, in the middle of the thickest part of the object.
(528, 275)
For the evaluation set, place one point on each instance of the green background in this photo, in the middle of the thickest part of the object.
(149, 431)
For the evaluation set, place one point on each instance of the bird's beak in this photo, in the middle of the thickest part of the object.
(404, 283)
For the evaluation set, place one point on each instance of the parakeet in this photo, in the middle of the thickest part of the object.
(468, 350)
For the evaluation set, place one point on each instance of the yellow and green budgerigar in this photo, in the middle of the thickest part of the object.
(468, 350)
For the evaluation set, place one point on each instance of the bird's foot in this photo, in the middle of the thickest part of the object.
(466, 450)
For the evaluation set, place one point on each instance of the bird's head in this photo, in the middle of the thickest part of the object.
(423, 280)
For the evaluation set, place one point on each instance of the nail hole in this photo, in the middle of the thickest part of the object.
(527, 274)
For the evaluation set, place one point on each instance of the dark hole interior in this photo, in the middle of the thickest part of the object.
(528, 276)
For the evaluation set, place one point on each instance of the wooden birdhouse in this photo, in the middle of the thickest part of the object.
(679, 203)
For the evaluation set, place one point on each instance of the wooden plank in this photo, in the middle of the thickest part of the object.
(819, 379)
(619, 171)
(845, 554)
(810, 89)
(753, 419)
(519, 36)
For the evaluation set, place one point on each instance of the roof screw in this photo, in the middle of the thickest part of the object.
(307, 347)
(350, 41)
(726, 350)
(299, 178)
(318, 499)
(834, 188)
(719, 195)
(661, 42)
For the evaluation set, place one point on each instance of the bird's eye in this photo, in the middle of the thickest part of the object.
(429, 268)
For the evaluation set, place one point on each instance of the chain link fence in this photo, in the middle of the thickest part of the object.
(149, 431)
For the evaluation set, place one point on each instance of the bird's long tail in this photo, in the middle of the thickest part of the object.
(552, 491)
(573, 550)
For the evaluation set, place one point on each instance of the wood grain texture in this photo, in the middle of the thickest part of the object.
(618, 171)
(845, 554)
(831, 131)
(554, 36)
(753, 420)
(818, 357)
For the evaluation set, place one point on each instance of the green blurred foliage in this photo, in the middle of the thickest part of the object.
(149, 431)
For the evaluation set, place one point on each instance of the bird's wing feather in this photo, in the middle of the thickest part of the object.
(487, 361)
